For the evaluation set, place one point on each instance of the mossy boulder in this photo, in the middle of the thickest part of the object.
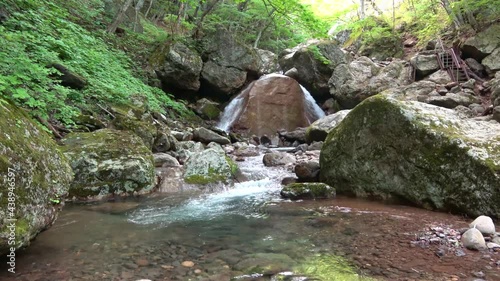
(416, 153)
(143, 129)
(211, 165)
(34, 170)
(207, 109)
(307, 190)
(108, 162)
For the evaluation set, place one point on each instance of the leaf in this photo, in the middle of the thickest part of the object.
(21, 94)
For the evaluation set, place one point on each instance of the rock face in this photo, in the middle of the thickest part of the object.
(222, 79)
(209, 166)
(296, 191)
(321, 127)
(314, 64)
(492, 62)
(271, 104)
(268, 62)
(178, 66)
(34, 171)
(108, 162)
(352, 83)
(483, 44)
(416, 152)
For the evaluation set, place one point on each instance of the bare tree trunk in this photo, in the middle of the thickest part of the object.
(149, 8)
(199, 22)
(138, 7)
(456, 17)
(362, 11)
(264, 28)
(119, 17)
(179, 17)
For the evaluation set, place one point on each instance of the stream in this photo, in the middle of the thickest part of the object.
(245, 232)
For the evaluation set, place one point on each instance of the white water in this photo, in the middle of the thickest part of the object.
(245, 199)
(234, 108)
(231, 113)
(311, 105)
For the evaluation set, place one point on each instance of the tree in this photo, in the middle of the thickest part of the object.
(119, 16)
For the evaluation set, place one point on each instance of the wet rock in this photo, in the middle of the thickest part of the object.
(307, 171)
(209, 166)
(102, 167)
(484, 224)
(246, 150)
(439, 148)
(473, 240)
(265, 263)
(165, 160)
(206, 136)
(187, 263)
(318, 130)
(288, 180)
(33, 168)
(298, 135)
(296, 191)
(276, 158)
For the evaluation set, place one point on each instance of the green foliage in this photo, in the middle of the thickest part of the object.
(40, 33)
(318, 55)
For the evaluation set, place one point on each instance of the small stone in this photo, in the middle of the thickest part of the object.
(491, 245)
(187, 263)
(167, 267)
(473, 239)
(478, 274)
(483, 224)
(142, 262)
(459, 253)
(197, 271)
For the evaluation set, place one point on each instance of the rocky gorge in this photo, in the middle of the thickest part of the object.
(273, 156)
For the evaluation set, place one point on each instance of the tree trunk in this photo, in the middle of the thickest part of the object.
(179, 17)
(138, 7)
(199, 22)
(362, 9)
(119, 17)
(149, 8)
(457, 18)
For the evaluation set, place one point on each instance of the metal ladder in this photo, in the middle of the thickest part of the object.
(455, 66)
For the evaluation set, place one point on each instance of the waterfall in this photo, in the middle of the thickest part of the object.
(312, 108)
(231, 113)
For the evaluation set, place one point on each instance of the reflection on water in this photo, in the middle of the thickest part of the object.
(243, 231)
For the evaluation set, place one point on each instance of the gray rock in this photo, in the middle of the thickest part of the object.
(424, 64)
(307, 171)
(108, 162)
(207, 109)
(483, 43)
(473, 240)
(483, 224)
(165, 160)
(440, 77)
(296, 135)
(494, 84)
(206, 136)
(276, 158)
(424, 154)
(35, 171)
(170, 179)
(452, 100)
(352, 83)
(492, 62)
(209, 166)
(222, 79)
(492, 245)
(268, 62)
(315, 145)
(465, 112)
(178, 66)
(474, 65)
(320, 128)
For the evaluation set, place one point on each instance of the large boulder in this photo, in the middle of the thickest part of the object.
(177, 66)
(207, 109)
(35, 178)
(314, 64)
(492, 61)
(321, 127)
(483, 44)
(211, 165)
(270, 104)
(424, 64)
(146, 130)
(416, 153)
(268, 62)
(352, 83)
(108, 162)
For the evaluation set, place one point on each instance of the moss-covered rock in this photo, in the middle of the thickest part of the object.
(143, 129)
(307, 190)
(417, 153)
(108, 162)
(34, 171)
(209, 166)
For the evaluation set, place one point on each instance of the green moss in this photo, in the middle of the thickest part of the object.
(316, 52)
(330, 268)
(201, 179)
(307, 191)
(233, 166)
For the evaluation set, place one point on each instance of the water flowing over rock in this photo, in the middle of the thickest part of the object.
(34, 171)
(419, 153)
(108, 162)
(209, 166)
(314, 64)
(352, 83)
(178, 67)
(270, 104)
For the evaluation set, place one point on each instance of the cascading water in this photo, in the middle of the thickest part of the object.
(245, 199)
(313, 108)
(231, 113)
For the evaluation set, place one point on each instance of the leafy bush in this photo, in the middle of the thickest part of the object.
(40, 33)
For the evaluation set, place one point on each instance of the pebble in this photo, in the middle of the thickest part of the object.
(491, 245)
(167, 267)
(197, 271)
(478, 274)
(142, 262)
(187, 263)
